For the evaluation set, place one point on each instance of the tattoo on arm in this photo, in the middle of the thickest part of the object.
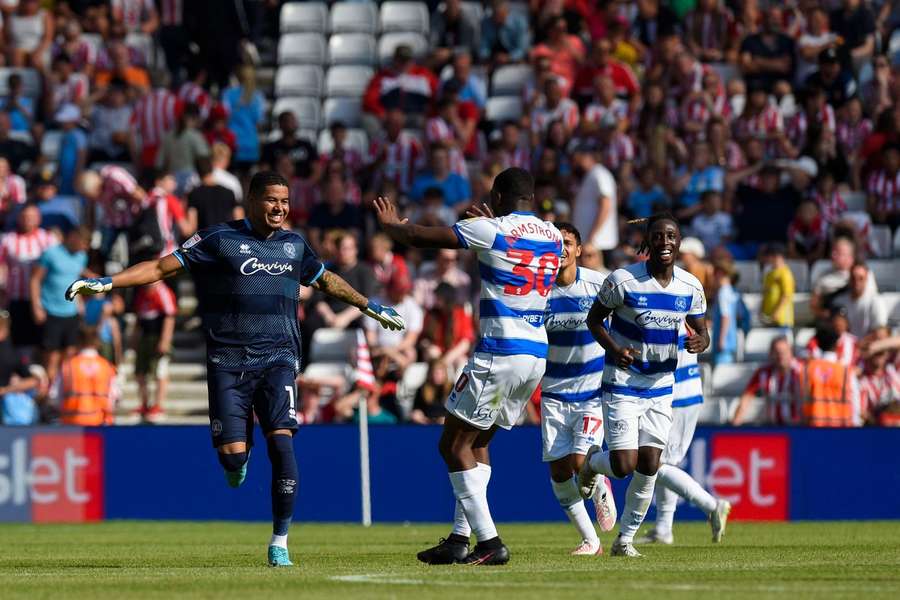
(336, 287)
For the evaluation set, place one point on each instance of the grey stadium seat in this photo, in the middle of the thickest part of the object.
(389, 42)
(332, 345)
(855, 200)
(510, 80)
(356, 139)
(302, 49)
(887, 274)
(297, 17)
(307, 110)
(31, 81)
(880, 238)
(347, 80)
(351, 49)
(353, 17)
(818, 268)
(730, 380)
(346, 110)
(749, 279)
(299, 80)
(404, 16)
(503, 108)
(800, 269)
(891, 301)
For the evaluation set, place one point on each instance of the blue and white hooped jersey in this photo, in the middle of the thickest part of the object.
(648, 317)
(518, 257)
(574, 359)
(688, 385)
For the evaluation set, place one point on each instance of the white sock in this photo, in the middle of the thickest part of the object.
(470, 488)
(600, 464)
(278, 540)
(460, 522)
(637, 501)
(570, 500)
(687, 487)
(666, 502)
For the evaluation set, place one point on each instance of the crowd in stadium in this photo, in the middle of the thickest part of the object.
(127, 125)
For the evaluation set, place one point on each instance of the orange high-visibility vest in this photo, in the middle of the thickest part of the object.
(87, 385)
(828, 402)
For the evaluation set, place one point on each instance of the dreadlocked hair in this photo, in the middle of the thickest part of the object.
(648, 223)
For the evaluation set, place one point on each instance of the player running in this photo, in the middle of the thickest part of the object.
(672, 481)
(518, 256)
(648, 302)
(248, 275)
(571, 410)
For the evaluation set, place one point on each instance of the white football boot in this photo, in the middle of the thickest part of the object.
(605, 505)
(719, 519)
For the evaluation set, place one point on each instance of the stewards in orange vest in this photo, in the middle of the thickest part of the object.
(87, 386)
(831, 389)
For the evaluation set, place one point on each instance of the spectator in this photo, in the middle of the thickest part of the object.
(428, 405)
(29, 33)
(553, 107)
(155, 307)
(451, 27)
(19, 106)
(763, 213)
(453, 130)
(302, 153)
(712, 225)
(456, 189)
(121, 65)
(155, 115)
(447, 332)
(838, 83)
(58, 318)
(385, 264)
(879, 386)
(58, 213)
(444, 269)
(768, 56)
(566, 52)
(777, 308)
(617, 151)
(703, 176)
(808, 233)
(182, 148)
(137, 16)
(852, 130)
(341, 152)
(816, 39)
(216, 128)
(402, 85)
(246, 106)
(210, 203)
(81, 54)
(394, 351)
(19, 251)
(73, 148)
(829, 198)
(168, 210)
(648, 197)
(513, 147)
(193, 90)
(709, 30)
(847, 346)
(115, 191)
(725, 314)
(884, 188)
(221, 158)
(433, 210)
(15, 150)
(779, 384)
(815, 112)
(111, 137)
(504, 35)
(692, 254)
(17, 382)
(472, 87)
(591, 258)
(762, 120)
(855, 24)
(603, 102)
(397, 156)
(595, 202)
(86, 387)
(831, 390)
(864, 309)
(843, 256)
(335, 313)
(13, 192)
(334, 212)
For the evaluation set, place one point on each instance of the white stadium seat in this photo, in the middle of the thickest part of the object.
(353, 17)
(356, 140)
(404, 16)
(800, 269)
(302, 49)
(818, 268)
(503, 108)
(510, 80)
(475, 11)
(753, 302)
(887, 274)
(307, 110)
(891, 301)
(856, 201)
(299, 80)
(50, 143)
(347, 80)
(351, 49)
(346, 110)
(730, 380)
(756, 346)
(332, 345)
(389, 42)
(413, 378)
(880, 238)
(749, 278)
(298, 17)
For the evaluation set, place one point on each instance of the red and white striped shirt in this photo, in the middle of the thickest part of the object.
(619, 151)
(155, 115)
(71, 91)
(403, 158)
(191, 93)
(768, 124)
(878, 390)
(852, 135)
(168, 213)
(798, 125)
(171, 12)
(155, 301)
(18, 252)
(82, 53)
(116, 194)
(832, 207)
(438, 130)
(566, 111)
(595, 111)
(885, 188)
(132, 12)
(12, 192)
(781, 391)
(520, 157)
(351, 159)
(847, 350)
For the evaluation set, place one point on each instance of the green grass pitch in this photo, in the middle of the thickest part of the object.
(125, 560)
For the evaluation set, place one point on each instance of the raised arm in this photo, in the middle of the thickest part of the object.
(336, 287)
(417, 236)
(142, 273)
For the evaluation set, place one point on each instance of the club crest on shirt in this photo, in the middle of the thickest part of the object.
(290, 250)
(680, 303)
(584, 303)
(191, 241)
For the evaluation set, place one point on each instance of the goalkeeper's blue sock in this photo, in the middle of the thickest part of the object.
(284, 486)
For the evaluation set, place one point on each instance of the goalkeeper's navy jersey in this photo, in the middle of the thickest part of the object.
(247, 288)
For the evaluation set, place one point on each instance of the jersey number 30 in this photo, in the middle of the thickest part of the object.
(541, 280)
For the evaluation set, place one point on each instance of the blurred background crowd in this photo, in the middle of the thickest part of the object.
(771, 130)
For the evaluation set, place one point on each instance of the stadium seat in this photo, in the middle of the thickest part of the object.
(802, 337)
(299, 80)
(714, 411)
(730, 380)
(475, 11)
(413, 379)
(347, 80)
(351, 49)
(887, 274)
(855, 200)
(503, 108)
(332, 345)
(31, 81)
(330, 371)
(520, 8)
(803, 314)
(756, 346)
(726, 71)
(353, 17)
(307, 110)
(356, 139)
(298, 17)
(891, 301)
(749, 279)
(510, 80)
(880, 238)
(50, 143)
(346, 110)
(404, 16)
(897, 243)
(800, 269)
(817, 270)
(753, 301)
(389, 42)
(302, 49)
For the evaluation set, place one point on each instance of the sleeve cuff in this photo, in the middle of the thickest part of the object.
(317, 276)
(462, 241)
(177, 254)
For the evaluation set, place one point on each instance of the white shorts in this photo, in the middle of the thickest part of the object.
(635, 422)
(684, 422)
(493, 390)
(570, 427)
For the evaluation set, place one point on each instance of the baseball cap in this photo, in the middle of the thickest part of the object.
(692, 245)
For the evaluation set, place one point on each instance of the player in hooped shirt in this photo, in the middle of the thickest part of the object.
(648, 303)
(518, 257)
(248, 274)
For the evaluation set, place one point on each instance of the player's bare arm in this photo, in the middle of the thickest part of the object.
(336, 287)
(142, 273)
(623, 357)
(417, 236)
(699, 341)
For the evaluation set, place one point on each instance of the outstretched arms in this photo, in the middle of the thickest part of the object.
(408, 234)
(336, 287)
(142, 273)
